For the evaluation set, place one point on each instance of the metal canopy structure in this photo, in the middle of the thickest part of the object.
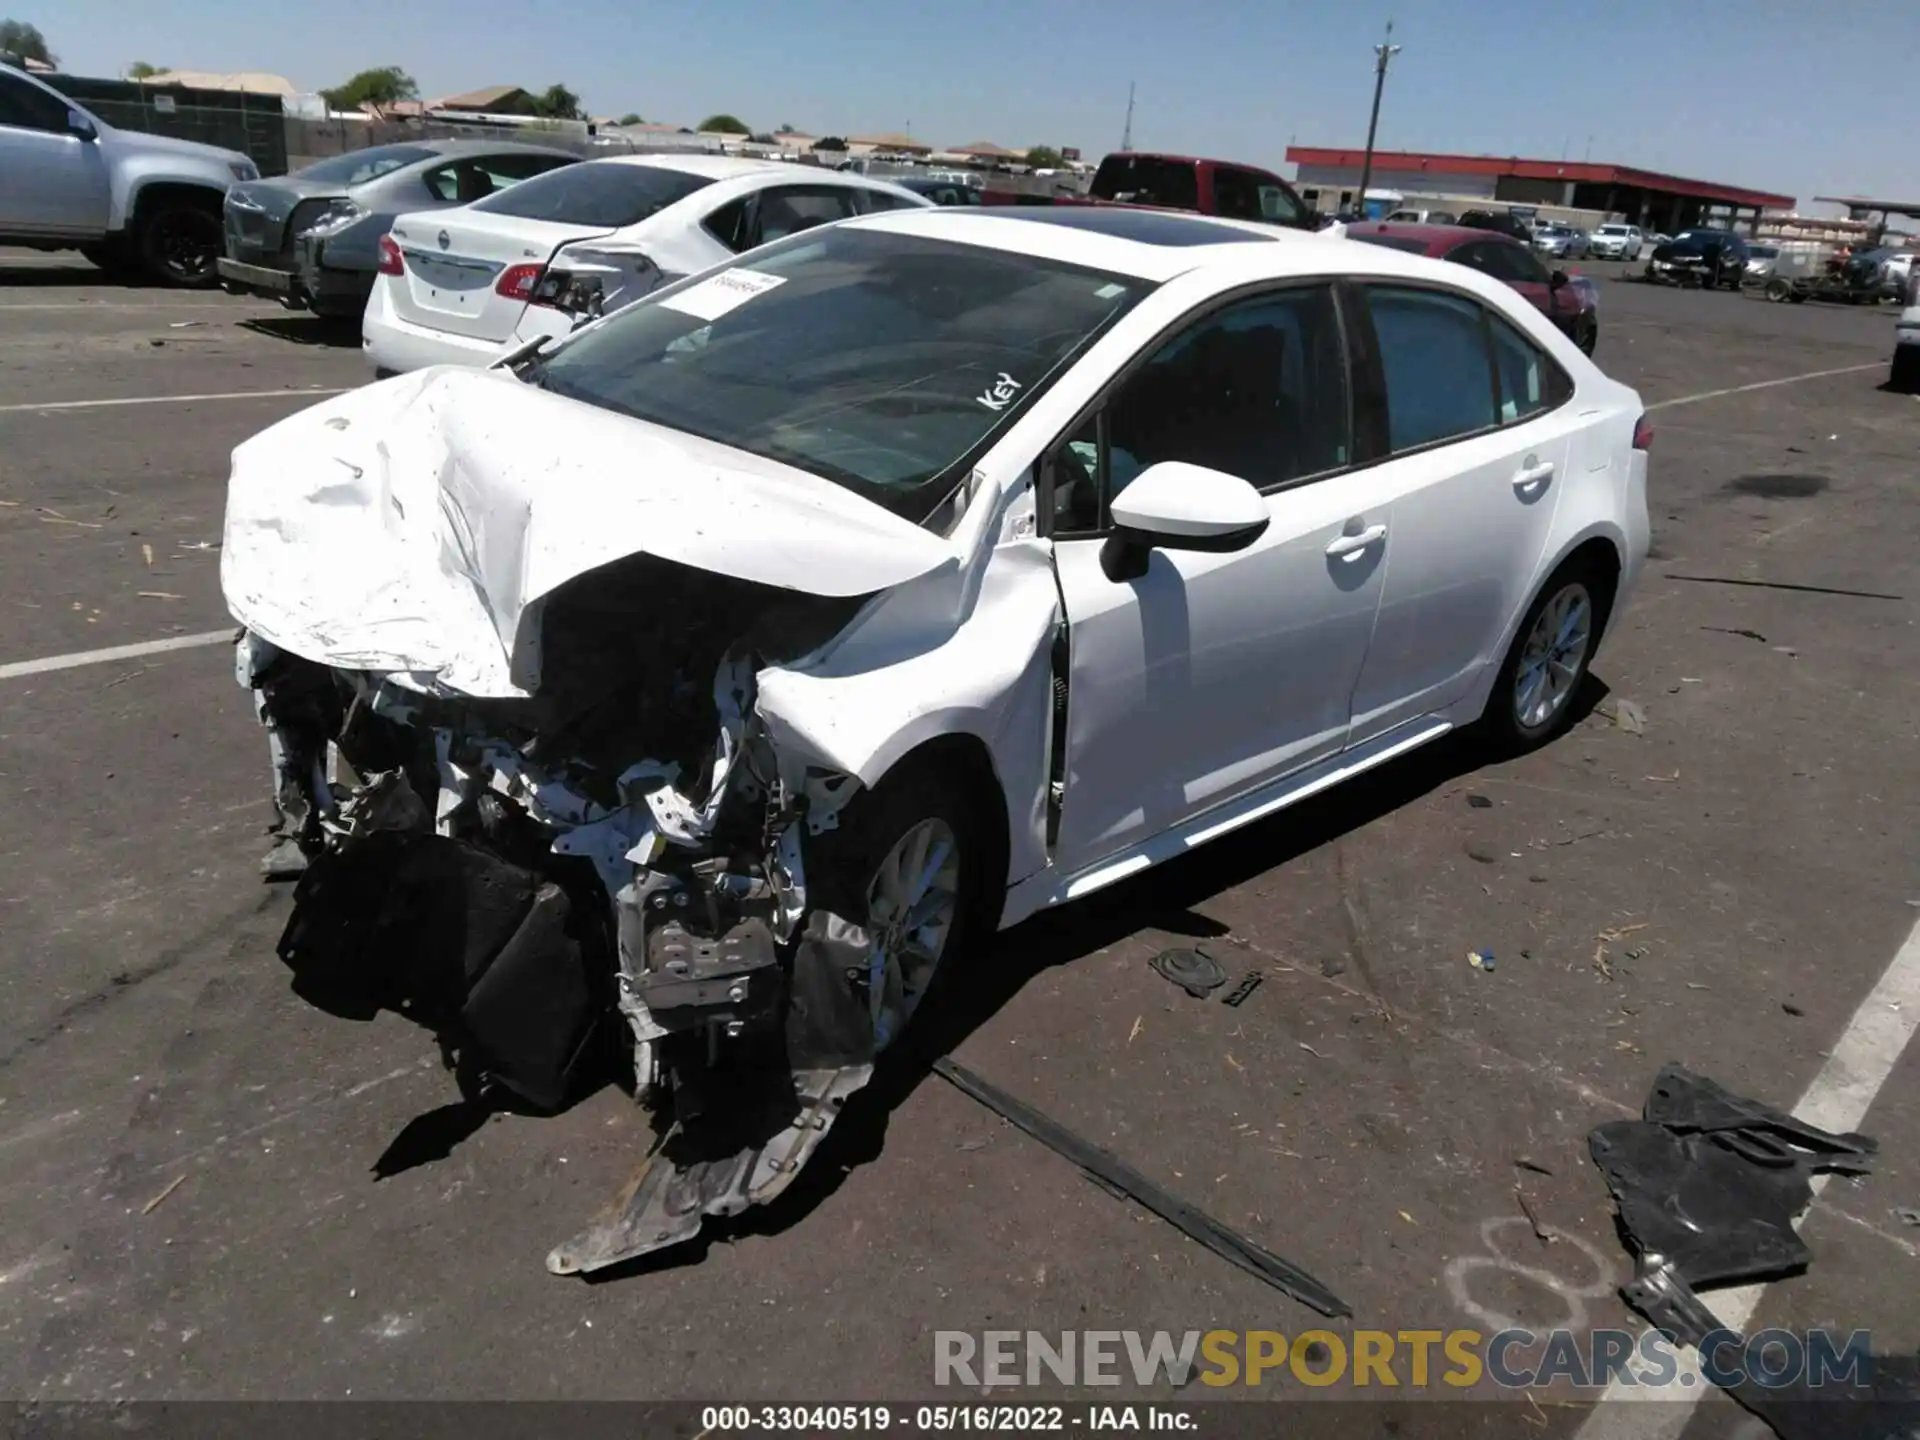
(1860, 208)
(1645, 197)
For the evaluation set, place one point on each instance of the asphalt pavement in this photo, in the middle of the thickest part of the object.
(210, 1190)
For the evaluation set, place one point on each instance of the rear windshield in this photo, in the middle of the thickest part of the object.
(1147, 180)
(360, 166)
(1392, 242)
(609, 193)
(880, 361)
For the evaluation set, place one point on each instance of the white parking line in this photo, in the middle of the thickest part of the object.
(313, 394)
(1765, 385)
(17, 668)
(1837, 1100)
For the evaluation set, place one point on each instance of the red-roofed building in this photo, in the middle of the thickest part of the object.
(1642, 197)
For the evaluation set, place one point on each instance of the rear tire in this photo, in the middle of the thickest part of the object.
(1533, 695)
(180, 243)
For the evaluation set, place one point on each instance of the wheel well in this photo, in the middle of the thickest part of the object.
(162, 193)
(963, 762)
(1599, 557)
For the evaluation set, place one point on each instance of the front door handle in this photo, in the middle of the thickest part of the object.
(1348, 546)
(1533, 477)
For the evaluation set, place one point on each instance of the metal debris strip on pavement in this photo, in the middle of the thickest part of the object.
(1120, 1179)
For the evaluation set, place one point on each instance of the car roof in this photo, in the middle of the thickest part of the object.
(489, 147)
(1265, 252)
(1437, 238)
(713, 167)
(1143, 224)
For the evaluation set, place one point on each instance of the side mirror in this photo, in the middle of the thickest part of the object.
(1557, 280)
(80, 125)
(1177, 506)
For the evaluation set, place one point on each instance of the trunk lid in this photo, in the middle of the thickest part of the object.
(455, 259)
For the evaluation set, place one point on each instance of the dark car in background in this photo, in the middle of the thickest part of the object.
(1711, 259)
(311, 240)
(1500, 222)
(939, 191)
(1569, 301)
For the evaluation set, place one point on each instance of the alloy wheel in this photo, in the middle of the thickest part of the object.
(913, 901)
(1553, 658)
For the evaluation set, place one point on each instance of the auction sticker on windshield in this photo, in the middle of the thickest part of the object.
(712, 298)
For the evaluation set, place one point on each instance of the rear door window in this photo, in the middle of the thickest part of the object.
(1433, 356)
(783, 210)
(604, 193)
(1530, 383)
(1148, 180)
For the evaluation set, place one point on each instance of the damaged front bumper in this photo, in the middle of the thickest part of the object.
(613, 867)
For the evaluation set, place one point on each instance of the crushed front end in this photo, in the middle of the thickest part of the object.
(610, 866)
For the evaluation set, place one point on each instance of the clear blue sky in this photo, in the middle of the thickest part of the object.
(1740, 91)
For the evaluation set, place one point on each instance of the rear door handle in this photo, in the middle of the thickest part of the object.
(1533, 477)
(1347, 546)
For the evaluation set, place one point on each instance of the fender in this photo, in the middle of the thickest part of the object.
(133, 170)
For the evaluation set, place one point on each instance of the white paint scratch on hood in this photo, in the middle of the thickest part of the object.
(408, 526)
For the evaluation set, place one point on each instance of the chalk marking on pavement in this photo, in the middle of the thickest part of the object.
(1764, 385)
(17, 668)
(314, 394)
(1837, 1100)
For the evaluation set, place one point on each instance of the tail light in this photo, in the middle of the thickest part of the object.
(582, 296)
(1643, 434)
(517, 282)
(390, 262)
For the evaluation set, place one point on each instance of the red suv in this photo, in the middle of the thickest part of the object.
(1569, 301)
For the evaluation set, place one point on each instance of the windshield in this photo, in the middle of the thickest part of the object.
(1763, 252)
(603, 193)
(883, 362)
(360, 166)
(1611, 230)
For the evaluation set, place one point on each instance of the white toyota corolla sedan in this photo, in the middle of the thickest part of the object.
(456, 287)
(707, 676)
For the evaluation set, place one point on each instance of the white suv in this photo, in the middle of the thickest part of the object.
(74, 182)
(1616, 242)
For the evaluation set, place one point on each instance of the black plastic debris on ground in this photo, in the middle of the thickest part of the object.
(1120, 1179)
(1249, 982)
(1194, 971)
(1707, 1185)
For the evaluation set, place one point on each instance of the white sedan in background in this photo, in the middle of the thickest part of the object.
(457, 286)
(908, 577)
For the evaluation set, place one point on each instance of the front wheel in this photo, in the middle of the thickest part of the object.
(1586, 334)
(906, 863)
(180, 245)
(1532, 699)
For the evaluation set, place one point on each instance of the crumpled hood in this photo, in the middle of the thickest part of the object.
(410, 525)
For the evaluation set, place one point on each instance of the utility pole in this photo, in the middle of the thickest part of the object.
(1126, 135)
(1383, 52)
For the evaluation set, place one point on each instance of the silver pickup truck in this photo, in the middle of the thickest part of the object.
(125, 200)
